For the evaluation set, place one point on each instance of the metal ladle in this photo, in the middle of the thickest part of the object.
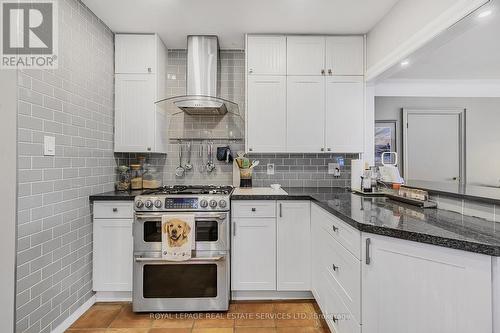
(188, 165)
(201, 167)
(179, 171)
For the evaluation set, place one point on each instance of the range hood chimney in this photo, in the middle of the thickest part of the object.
(202, 78)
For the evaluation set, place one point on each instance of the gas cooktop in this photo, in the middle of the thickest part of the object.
(190, 189)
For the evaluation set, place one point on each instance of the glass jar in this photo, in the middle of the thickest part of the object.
(123, 182)
(136, 177)
(151, 178)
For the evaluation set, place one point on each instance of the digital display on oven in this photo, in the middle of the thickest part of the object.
(181, 203)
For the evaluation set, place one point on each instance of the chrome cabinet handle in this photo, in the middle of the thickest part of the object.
(281, 210)
(329, 72)
(334, 228)
(322, 149)
(250, 149)
(335, 267)
(322, 72)
(115, 209)
(367, 254)
(149, 69)
(234, 229)
(149, 148)
(250, 70)
(254, 209)
(329, 149)
(334, 319)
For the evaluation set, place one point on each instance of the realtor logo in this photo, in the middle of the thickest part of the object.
(29, 38)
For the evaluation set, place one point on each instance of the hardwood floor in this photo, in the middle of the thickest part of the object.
(242, 317)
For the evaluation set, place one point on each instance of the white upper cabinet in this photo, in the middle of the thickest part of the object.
(344, 55)
(266, 55)
(344, 114)
(266, 121)
(305, 55)
(305, 114)
(135, 54)
(140, 126)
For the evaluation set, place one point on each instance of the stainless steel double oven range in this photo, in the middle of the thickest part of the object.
(198, 284)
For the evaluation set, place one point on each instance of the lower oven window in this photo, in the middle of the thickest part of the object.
(180, 281)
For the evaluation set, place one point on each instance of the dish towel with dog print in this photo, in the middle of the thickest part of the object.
(177, 236)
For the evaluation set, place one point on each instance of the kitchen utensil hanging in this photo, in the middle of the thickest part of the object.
(210, 164)
(179, 171)
(188, 165)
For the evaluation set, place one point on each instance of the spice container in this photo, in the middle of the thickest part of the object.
(123, 182)
(136, 177)
(151, 178)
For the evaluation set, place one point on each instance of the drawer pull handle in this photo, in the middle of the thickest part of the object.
(281, 210)
(335, 267)
(115, 209)
(335, 320)
(254, 209)
(334, 228)
(367, 254)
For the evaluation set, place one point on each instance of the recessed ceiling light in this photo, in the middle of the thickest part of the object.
(484, 14)
(405, 63)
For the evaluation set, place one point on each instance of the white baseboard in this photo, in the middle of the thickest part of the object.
(270, 295)
(74, 316)
(113, 296)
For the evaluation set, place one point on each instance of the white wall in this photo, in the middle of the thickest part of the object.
(482, 129)
(8, 110)
(408, 26)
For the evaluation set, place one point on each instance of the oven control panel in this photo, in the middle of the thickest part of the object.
(145, 203)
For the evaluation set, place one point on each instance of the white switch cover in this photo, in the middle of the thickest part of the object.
(270, 168)
(49, 145)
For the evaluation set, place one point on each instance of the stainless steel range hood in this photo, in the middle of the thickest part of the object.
(202, 81)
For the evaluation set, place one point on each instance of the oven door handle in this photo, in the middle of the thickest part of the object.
(197, 218)
(192, 260)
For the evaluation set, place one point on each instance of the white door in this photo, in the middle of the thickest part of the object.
(433, 144)
(305, 55)
(266, 119)
(253, 254)
(135, 54)
(344, 114)
(344, 55)
(266, 55)
(112, 255)
(305, 114)
(134, 112)
(294, 245)
(412, 287)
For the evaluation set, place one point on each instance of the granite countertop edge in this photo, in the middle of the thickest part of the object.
(463, 245)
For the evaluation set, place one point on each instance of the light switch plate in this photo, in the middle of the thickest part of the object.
(270, 168)
(49, 145)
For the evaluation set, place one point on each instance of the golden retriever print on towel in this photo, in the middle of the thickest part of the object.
(177, 236)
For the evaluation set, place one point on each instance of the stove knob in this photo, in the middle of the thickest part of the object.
(222, 203)
(149, 204)
(213, 203)
(203, 203)
(139, 204)
(158, 203)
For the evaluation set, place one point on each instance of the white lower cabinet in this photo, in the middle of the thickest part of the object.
(412, 287)
(294, 246)
(253, 254)
(113, 247)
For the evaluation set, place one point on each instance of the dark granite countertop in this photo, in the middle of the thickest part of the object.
(379, 215)
(464, 191)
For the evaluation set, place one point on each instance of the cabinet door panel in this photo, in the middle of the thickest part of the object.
(345, 114)
(134, 112)
(305, 55)
(345, 55)
(266, 55)
(294, 245)
(305, 113)
(135, 54)
(112, 255)
(253, 251)
(407, 281)
(266, 113)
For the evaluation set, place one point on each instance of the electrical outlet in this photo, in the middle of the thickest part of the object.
(270, 168)
(49, 145)
(334, 169)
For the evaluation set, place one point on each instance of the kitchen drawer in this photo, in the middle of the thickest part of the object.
(254, 208)
(346, 235)
(113, 209)
(345, 275)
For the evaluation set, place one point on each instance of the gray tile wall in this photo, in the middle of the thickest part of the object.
(75, 104)
(302, 170)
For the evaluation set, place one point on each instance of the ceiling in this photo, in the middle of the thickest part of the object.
(469, 50)
(173, 20)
